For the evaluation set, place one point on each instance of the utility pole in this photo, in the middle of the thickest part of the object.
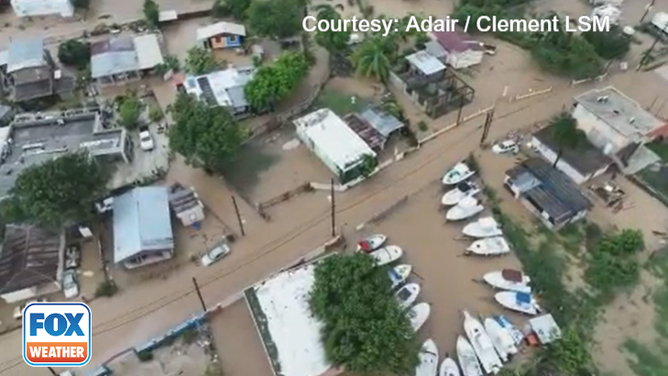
(236, 210)
(333, 209)
(487, 126)
(461, 106)
(651, 48)
(648, 7)
(199, 294)
(52, 371)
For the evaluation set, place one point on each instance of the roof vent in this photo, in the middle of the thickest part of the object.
(632, 120)
(602, 99)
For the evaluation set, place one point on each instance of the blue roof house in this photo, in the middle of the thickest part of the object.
(142, 227)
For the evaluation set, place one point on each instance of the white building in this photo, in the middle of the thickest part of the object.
(456, 48)
(334, 142)
(33, 8)
(221, 88)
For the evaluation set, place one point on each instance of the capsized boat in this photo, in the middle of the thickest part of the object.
(407, 294)
(457, 174)
(506, 324)
(518, 301)
(468, 360)
(449, 367)
(508, 279)
(387, 254)
(461, 191)
(428, 359)
(501, 339)
(371, 243)
(399, 274)
(485, 227)
(482, 344)
(466, 208)
(418, 315)
(489, 246)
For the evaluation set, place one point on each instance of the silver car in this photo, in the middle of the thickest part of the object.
(216, 254)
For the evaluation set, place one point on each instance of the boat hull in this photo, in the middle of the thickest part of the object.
(371, 243)
(482, 344)
(501, 339)
(428, 359)
(489, 247)
(449, 368)
(412, 290)
(496, 280)
(399, 274)
(508, 300)
(418, 315)
(387, 255)
(468, 360)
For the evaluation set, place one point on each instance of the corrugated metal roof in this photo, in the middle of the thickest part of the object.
(383, 122)
(113, 56)
(426, 63)
(141, 222)
(220, 28)
(25, 53)
(148, 51)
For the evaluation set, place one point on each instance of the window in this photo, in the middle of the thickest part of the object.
(233, 39)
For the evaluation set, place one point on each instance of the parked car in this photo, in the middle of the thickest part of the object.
(70, 284)
(217, 253)
(508, 146)
(72, 256)
(145, 139)
(18, 311)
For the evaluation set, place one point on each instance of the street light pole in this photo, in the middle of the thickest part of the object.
(52, 371)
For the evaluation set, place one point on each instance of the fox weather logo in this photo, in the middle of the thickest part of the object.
(57, 334)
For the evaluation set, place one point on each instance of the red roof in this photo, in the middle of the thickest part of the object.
(457, 41)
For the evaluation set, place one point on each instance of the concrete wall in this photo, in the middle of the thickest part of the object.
(599, 133)
(461, 60)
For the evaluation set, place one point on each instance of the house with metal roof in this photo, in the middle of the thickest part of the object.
(221, 35)
(142, 227)
(374, 126)
(547, 192)
(186, 205)
(29, 72)
(221, 88)
(119, 60)
(456, 48)
(31, 262)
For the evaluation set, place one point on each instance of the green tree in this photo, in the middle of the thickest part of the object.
(152, 12)
(129, 110)
(276, 18)
(374, 57)
(81, 4)
(58, 192)
(155, 113)
(234, 8)
(568, 55)
(83, 78)
(332, 41)
(566, 134)
(569, 355)
(368, 165)
(273, 83)
(220, 9)
(206, 136)
(170, 63)
(74, 52)
(609, 45)
(364, 330)
(200, 61)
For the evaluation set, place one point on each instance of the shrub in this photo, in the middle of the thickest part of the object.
(106, 289)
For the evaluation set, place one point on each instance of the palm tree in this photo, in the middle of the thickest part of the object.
(374, 58)
(566, 134)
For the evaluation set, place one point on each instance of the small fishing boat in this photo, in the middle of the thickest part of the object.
(418, 315)
(449, 367)
(515, 333)
(399, 274)
(485, 227)
(489, 247)
(466, 208)
(457, 174)
(468, 360)
(508, 279)
(461, 191)
(482, 344)
(387, 254)
(518, 302)
(428, 359)
(407, 294)
(371, 243)
(501, 339)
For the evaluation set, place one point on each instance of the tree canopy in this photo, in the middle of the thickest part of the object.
(614, 261)
(566, 134)
(276, 18)
(375, 56)
(609, 45)
(206, 136)
(273, 83)
(566, 54)
(129, 109)
(200, 61)
(365, 329)
(234, 8)
(152, 12)
(332, 41)
(57, 192)
(74, 52)
(81, 4)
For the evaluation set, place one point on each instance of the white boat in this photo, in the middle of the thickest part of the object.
(371, 243)
(468, 360)
(489, 246)
(461, 191)
(419, 315)
(428, 359)
(485, 227)
(457, 174)
(387, 254)
(466, 208)
(518, 301)
(482, 344)
(518, 336)
(407, 294)
(449, 367)
(399, 274)
(501, 339)
(508, 279)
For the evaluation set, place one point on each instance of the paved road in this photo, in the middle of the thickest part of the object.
(150, 308)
